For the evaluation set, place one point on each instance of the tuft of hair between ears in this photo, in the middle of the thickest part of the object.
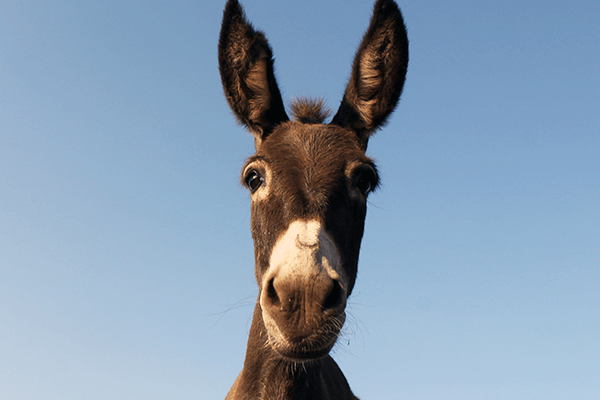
(309, 111)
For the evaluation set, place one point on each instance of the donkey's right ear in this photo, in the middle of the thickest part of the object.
(246, 66)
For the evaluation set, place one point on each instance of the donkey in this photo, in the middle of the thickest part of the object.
(308, 182)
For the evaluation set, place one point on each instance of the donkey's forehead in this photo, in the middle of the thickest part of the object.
(307, 144)
(306, 167)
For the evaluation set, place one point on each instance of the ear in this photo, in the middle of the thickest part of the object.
(246, 66)
(378, 73)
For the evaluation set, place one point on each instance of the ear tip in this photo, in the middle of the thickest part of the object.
(387, 6)
(232, 14)
(234, 21)
(233, 6)
(389, 10)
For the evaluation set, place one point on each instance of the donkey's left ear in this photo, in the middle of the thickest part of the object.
(378, 73)
(246, 66)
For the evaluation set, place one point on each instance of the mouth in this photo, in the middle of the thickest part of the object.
(305, 350)
(316, 345)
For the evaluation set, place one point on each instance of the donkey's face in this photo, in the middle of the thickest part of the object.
(309, 184)
(309, 181)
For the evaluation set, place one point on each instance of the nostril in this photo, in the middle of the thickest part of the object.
(334, 298)
(272, 293)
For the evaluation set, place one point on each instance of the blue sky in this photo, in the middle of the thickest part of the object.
(126, 263)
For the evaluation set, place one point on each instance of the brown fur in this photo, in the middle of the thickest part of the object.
(309, 111)
(306, 170)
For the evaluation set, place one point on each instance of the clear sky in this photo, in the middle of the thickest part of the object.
(126, 263)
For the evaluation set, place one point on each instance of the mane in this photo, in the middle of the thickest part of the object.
(309, 111)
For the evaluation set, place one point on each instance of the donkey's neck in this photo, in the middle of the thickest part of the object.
(267, 375)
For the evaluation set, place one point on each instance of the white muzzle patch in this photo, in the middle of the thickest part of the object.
(304, 252)
(301, 255)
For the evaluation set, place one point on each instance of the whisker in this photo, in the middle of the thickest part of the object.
(245, 302)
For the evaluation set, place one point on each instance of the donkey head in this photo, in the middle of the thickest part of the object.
(309, 180)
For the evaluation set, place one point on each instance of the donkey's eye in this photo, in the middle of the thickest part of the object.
(365, 179)
(253, 180)
(364, 184)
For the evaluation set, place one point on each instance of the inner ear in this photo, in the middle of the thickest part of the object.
(260, 98)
